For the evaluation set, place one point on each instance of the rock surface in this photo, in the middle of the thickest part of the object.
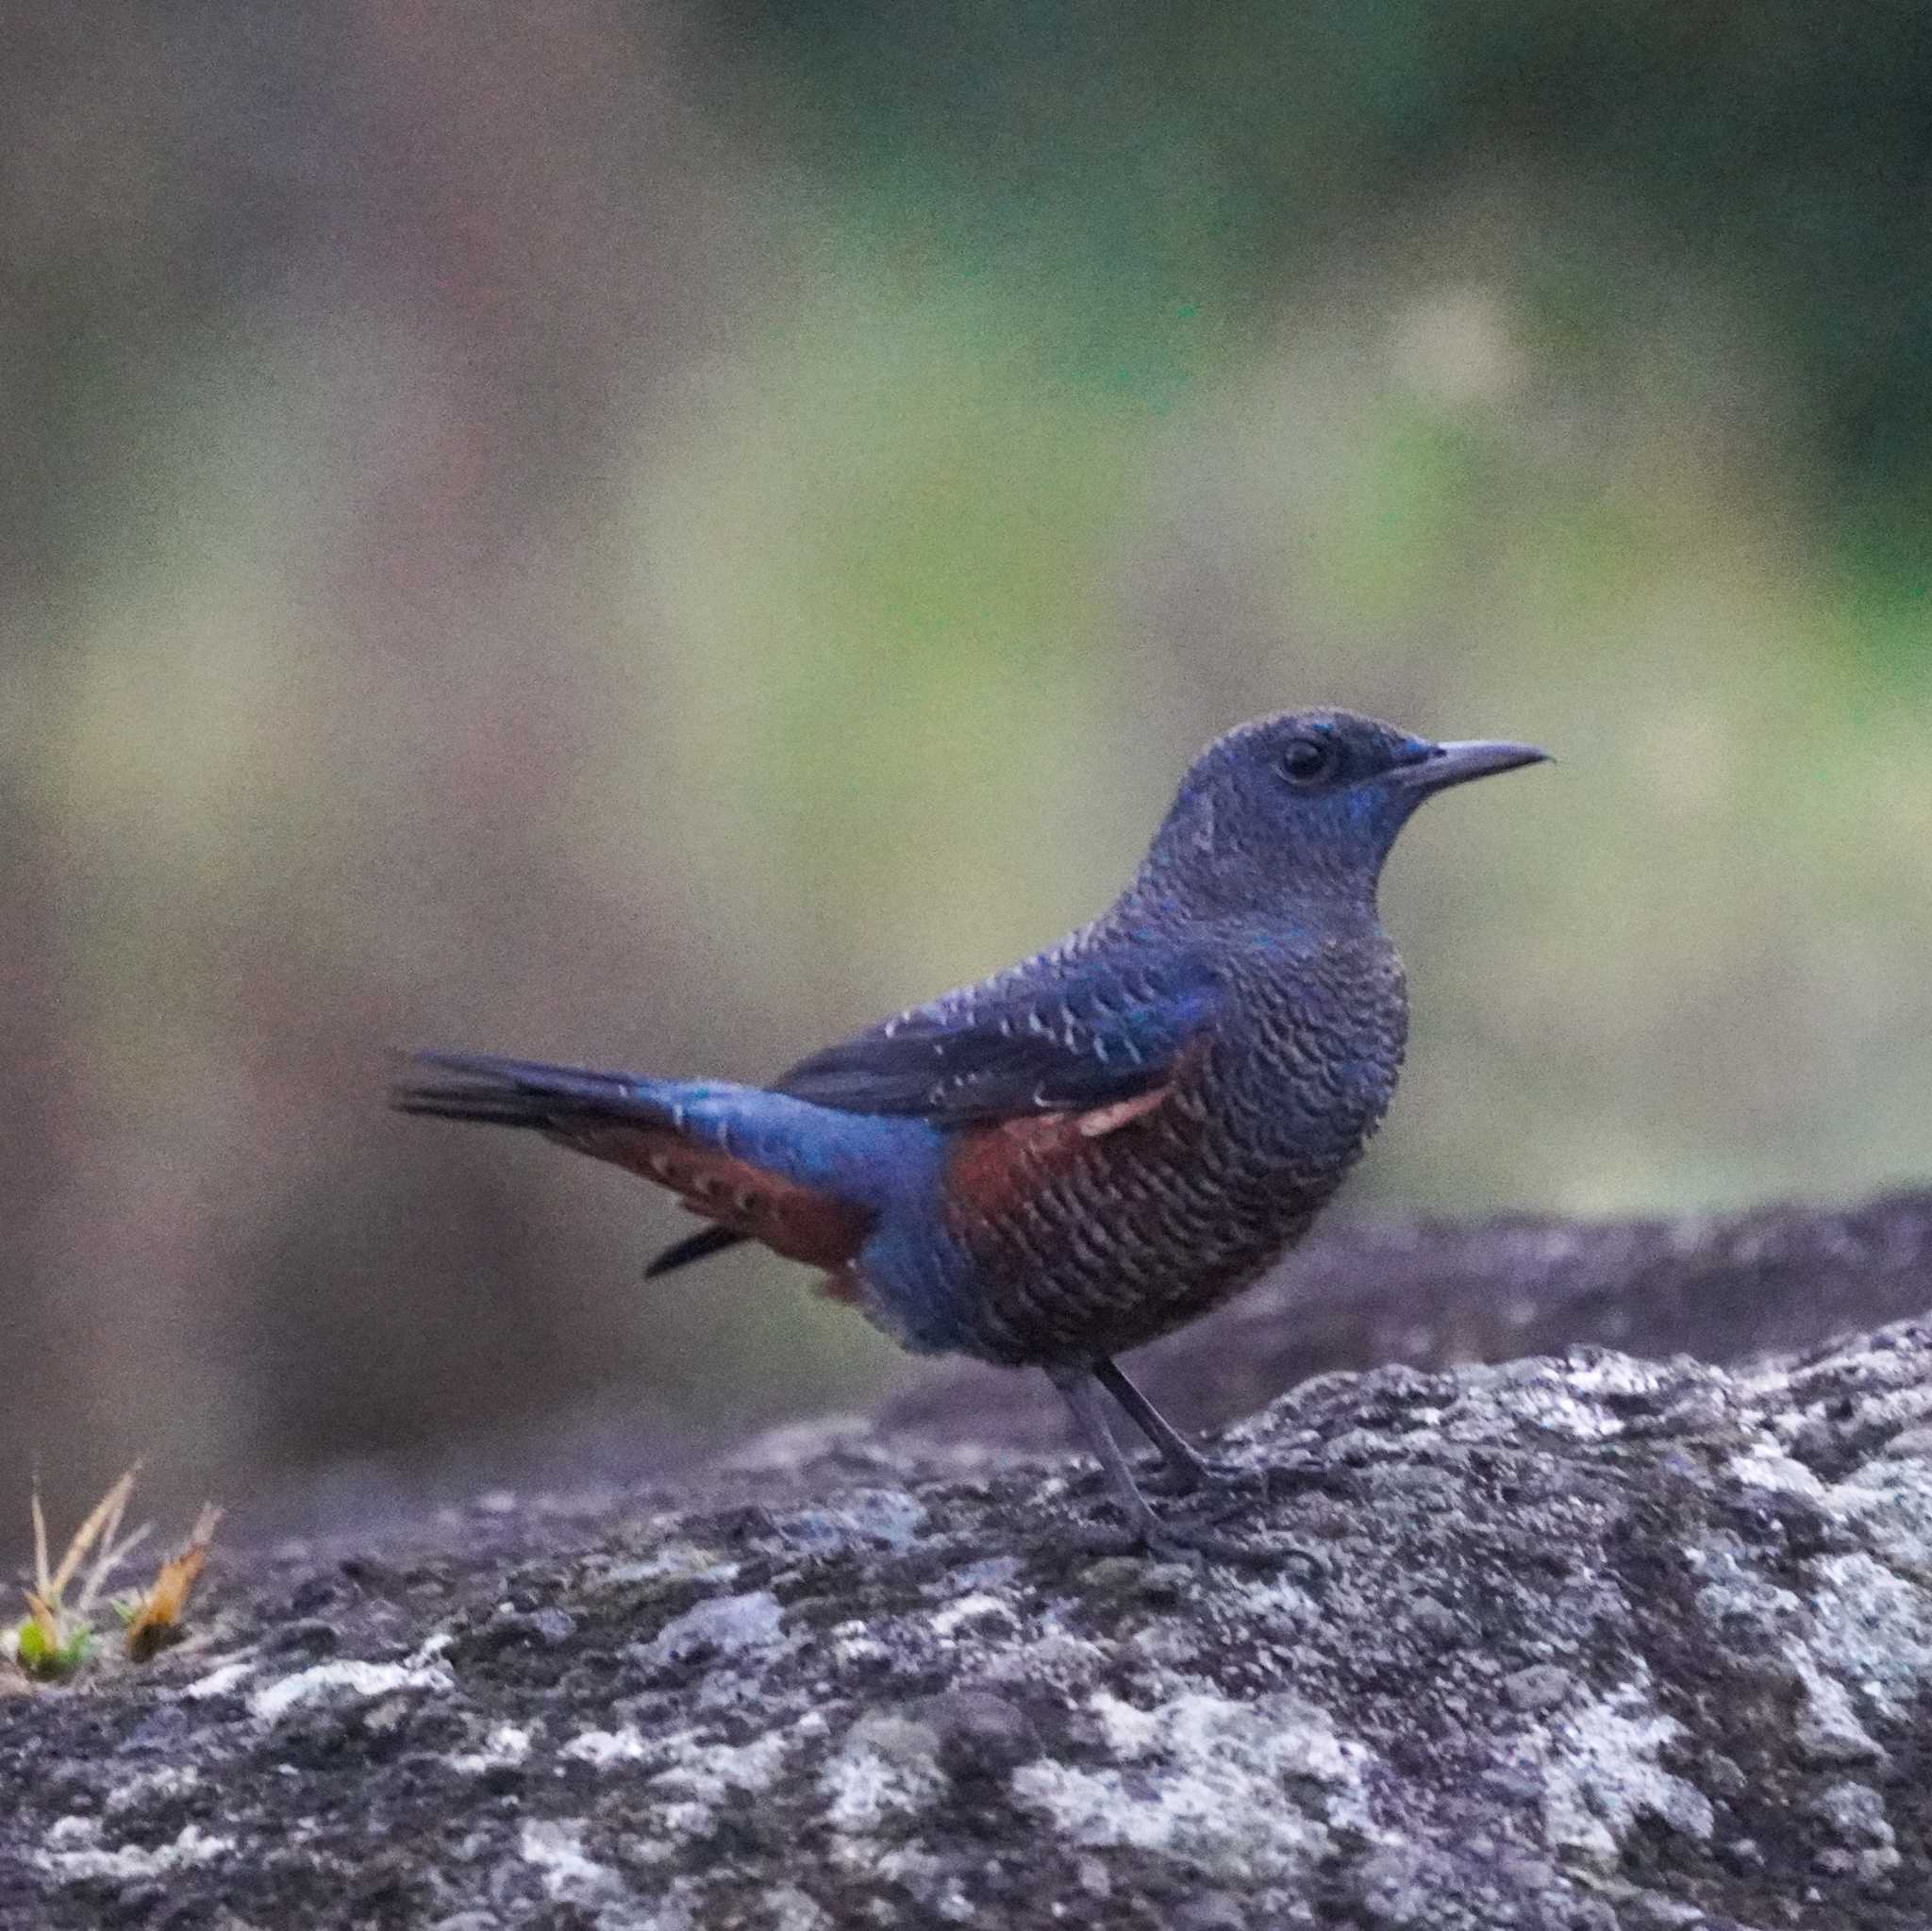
(1586, 1642)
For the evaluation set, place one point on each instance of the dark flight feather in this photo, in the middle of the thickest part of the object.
(699, 1246)
(1084, 1034)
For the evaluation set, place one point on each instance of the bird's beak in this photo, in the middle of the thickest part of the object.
(1443, 765)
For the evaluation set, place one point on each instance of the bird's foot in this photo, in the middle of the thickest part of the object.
(1239, 1485)
(1196, 1542)
(1192, 1542)
(1191, 1478)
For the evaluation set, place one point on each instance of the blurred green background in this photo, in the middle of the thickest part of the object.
(654, 534)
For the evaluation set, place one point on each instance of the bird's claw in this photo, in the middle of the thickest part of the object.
(1191, 1542)
(1195, 1542)
(1198, 1542)
(1166, 1478)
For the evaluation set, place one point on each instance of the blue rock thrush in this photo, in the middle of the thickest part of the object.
(1092, 1147)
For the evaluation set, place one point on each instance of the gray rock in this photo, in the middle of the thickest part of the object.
(1586, 1642)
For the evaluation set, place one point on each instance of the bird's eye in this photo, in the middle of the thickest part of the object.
(1308, 760)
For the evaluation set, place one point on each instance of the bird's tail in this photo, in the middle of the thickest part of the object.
(526, 1092)
(803, 1179)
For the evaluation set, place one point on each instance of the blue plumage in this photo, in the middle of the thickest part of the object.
(1063, 1031)
(1095, 1146)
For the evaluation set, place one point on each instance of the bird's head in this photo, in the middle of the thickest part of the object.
(1306, 805)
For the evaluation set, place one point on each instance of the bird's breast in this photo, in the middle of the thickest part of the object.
(1086, 1233)
(1306, 1067)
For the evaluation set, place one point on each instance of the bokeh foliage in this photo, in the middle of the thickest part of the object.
(655, 537)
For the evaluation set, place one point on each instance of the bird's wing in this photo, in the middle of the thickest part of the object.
(1057, 1035)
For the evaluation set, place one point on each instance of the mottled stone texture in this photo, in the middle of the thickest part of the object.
(1577, 1642)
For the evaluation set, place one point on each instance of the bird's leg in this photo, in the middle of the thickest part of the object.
(1191, 1468)
(1081, 1390)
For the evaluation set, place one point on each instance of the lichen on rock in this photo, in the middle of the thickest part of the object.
(1581, 1641)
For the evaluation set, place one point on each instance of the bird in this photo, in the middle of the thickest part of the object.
(1061, 1162)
